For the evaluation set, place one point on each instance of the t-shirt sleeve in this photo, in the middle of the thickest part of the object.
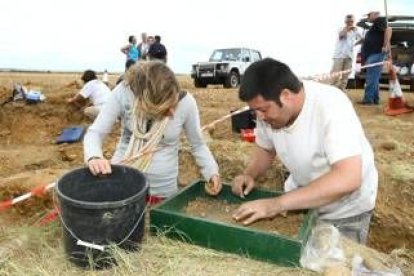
(342, 132)
(263, 139)
(87, 90)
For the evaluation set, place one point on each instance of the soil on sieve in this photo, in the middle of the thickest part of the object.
(222, 210)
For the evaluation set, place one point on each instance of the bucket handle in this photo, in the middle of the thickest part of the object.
(92, 245)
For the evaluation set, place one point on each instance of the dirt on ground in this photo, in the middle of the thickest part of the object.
(222, 210)
(29, 155)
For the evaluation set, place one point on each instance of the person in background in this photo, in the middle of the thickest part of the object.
(376, 47)
(316, 133)
(344, 51)
(128, 64)
(105, 77)
(154, 112)
(94, 90)
(143, 47)
(157, 50)
(130, 50)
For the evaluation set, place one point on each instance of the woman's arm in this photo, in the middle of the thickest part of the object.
(97, 132)
(200, 151)
(125, 49)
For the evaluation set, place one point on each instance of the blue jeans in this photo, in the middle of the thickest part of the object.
(373, 77)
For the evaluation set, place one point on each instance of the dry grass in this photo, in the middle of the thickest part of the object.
(43, 250)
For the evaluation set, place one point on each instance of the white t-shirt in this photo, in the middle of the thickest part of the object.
(96, 91)
(327, 130)
(344, 48)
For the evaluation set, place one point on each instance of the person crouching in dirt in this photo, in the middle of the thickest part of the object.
(94, 90)
(316, 133)
(154, 112)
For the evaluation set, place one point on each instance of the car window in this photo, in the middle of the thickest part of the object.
(255, 56)
(226, 55)
(246, 55)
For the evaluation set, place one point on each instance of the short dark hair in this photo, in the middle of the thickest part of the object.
(268, 78)
(157, 38)
(131, 38)
(88, 75)
(129, 63)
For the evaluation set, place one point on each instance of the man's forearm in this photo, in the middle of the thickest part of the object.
(387, 37)
(326, 189)
(260, 162)
(342, 33)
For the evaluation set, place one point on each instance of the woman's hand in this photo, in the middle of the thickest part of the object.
(98, 165)
(214, 186)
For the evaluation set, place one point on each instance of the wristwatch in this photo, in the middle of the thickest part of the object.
(93, 158)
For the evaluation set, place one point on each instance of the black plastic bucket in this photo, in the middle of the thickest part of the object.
(243, 120)
(101, 211)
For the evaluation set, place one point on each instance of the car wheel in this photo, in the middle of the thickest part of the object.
(232, 80)
(199, 83)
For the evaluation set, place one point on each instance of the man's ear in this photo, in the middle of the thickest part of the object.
(285, 96)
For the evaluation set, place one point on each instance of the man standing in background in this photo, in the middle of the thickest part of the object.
(143, 47)
(157, 50)
(375, 48)
(344, 51)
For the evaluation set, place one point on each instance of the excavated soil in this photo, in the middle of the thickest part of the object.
(29, 155)
(221, 210)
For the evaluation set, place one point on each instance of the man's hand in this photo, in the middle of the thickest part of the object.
(242, 185)
(258, 209)
(99, 166)
(214, 186)
(386, 48)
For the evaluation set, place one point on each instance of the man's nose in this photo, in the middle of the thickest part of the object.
(260, 115)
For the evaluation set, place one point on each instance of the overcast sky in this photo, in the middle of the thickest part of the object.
(87, 34)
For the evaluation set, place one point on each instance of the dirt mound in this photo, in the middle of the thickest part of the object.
(21, 183)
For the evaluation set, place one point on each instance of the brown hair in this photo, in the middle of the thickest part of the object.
(155, 87)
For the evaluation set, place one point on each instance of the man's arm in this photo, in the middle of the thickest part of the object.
(342, 33)
(260, 161)
(387, 40)
(344, 178)
(77, 100)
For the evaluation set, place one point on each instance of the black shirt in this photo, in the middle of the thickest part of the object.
(374, 39)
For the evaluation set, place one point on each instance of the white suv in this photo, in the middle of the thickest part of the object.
(225, 66)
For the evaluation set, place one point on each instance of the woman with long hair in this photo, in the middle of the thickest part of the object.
(154, 112)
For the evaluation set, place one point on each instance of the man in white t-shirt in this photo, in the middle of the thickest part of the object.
(93, 89)
(143, 47)
(344, 51)
(315, 132)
